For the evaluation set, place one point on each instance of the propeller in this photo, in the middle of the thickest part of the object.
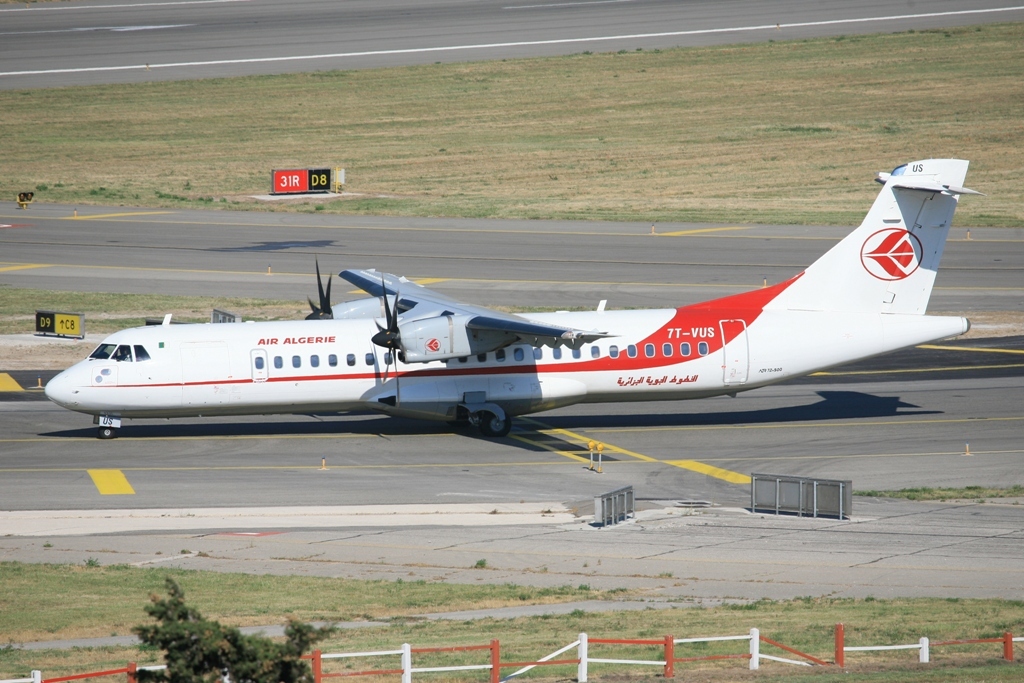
(389, 336)
(324, 310)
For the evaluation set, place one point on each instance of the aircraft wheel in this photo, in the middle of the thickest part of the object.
(492, 425)
(107, 433)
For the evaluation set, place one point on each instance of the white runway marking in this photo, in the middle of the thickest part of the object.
(569, 4)
(115, 29)
(525, 43)
(47, 8)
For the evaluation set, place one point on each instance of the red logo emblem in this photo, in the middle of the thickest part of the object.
(891, 254)
(433, 345)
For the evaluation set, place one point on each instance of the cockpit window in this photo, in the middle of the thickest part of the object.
(122, 354)
(103, 351)
(140, 353)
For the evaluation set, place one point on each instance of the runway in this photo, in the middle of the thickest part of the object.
(549, 264)
(111, 41)
(906, 420)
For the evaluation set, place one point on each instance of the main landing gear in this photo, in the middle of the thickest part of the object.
(492, 425)
(489, 418)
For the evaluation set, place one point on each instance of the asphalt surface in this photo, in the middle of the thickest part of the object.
(120, 41)
(946, 416)
(512, 263)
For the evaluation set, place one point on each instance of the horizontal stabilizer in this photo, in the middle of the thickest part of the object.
(924, 185)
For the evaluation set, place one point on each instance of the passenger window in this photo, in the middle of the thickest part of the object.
(296, 361)
(702, 348)
(666, 350)
(140, 354)
(482, 357)
(350, 359)
(278, 362)
(576, 353)
(613, 351)
(369, 359)
(556, 353)
(538, 353)
(499, 355)
(684, 349)
(595, 352)
(103, 351)
(332, 360)
(649, 350)
(314, 361)
(258, 362)
(122, 354)
(631, 350)
(518, 354)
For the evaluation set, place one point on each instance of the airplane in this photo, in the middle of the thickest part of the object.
(409, 351)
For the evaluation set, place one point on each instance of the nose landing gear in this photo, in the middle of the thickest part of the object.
(108, 426)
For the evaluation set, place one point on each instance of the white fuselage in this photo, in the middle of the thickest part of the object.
(331, 365)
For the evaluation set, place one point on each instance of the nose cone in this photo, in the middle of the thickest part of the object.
(60, 390)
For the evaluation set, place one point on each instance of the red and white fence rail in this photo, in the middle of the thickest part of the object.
(923, 646)
(669, 647)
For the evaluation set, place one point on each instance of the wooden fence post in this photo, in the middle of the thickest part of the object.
(317, 666)
(132, 668)
(840, 645)
(495, 662)
(1008, 646)
(670, 654)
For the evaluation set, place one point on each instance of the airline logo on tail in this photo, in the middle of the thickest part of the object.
(891, 254)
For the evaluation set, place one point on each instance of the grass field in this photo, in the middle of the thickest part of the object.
(108, 312)
(788, 132)
(107, 600)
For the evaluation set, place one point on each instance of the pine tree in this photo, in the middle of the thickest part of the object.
(199, 650)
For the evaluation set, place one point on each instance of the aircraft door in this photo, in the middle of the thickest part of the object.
(736, 353)
(258, 362)
(206, 374)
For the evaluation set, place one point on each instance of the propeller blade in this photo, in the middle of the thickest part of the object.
(324, 310)
(389, 335)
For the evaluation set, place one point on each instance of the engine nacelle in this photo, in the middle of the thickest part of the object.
(446, 337)
(359, 308)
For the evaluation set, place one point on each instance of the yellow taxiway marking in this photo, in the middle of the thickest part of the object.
(541, 444)
(711, 471)
(953, 368)
(816, 425)
(23, 266)
(111, 482)
(7, 383)
(114, 215)
(978, 349)
(692, 465)
(700, 231)
(280, 468)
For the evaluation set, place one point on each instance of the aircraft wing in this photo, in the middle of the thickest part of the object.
(416, 302)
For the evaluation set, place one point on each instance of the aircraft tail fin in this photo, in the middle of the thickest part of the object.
(888, 264)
